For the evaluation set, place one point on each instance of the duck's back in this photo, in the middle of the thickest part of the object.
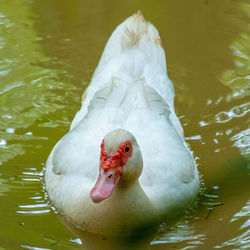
(133, 52)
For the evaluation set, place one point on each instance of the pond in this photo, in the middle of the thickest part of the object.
(48, 52)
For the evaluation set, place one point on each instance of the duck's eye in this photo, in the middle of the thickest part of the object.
(127, 149)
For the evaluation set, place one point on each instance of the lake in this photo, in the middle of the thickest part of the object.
(48, 52)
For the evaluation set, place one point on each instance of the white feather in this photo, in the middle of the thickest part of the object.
(129, 90)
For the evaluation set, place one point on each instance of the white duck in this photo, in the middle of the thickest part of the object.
(124, 161)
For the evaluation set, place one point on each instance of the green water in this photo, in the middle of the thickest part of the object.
(48, 52)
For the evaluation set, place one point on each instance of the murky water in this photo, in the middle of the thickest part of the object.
(48, 52)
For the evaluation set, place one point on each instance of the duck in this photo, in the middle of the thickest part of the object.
(124, 162)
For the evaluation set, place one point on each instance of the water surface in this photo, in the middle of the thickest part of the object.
(48, 52)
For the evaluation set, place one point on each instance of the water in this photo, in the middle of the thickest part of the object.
(48, 52)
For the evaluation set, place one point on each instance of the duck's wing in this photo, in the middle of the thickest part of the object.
(121, 99)
(133, 51)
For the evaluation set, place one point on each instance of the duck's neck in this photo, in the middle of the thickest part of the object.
(131, 196)
(128, 207)
(129, 187)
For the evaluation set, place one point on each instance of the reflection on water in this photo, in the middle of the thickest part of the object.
(244, 212)
(241, 240)
(242, 141)
(181, 232)
(48, 52)
(28, 91)
(4, 188)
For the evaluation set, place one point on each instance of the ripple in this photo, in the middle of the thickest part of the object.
(4, 187)
(36, 198)
(33, 173)
(242, 141)
(39, 207)
(180, 233)
(4, 72)
(77, 241)
(235, 112)
(10, 151)
(203, 123)
(11, 87)
(34, 248)
(42, 208)
(244, 212)
(193, 138)
(31, 179)
(33, 206)
(31, 176)
(10, 130)
(2, 142)
(241, 242)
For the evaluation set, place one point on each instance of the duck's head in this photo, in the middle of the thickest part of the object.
(120, 161)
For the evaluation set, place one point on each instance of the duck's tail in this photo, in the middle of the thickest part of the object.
(135, 32)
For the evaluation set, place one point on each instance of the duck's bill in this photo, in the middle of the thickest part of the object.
(105, 184)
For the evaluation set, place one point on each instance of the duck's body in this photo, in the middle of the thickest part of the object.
(130, 92)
